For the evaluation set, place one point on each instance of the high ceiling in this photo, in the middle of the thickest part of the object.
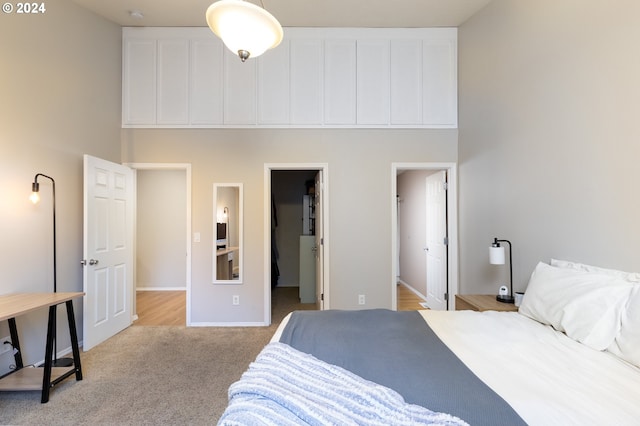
(297, 13)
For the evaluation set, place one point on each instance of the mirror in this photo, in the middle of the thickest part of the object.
(227, 233)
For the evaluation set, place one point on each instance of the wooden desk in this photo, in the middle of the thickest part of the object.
(224, 266)
(482, 302)
(14, 305)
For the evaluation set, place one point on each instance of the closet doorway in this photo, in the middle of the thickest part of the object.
(297, 238)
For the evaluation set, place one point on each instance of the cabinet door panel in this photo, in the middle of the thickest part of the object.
(173, 82)
(406, 82)
(239, 90)
(340, 82)
(139, 86)
(373, 82)
(206, 82)
(273, 86)
(306, 81)
(439, 83)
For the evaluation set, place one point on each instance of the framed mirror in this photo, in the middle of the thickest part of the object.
(227, 233)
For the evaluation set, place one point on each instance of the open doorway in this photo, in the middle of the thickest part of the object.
(162, 267)
(295, 240)
(424, 233)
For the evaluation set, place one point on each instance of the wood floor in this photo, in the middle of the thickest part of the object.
(408, 300)
(170, 307)
(161, 308)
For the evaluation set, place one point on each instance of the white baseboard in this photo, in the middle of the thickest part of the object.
(413, 290)
(227, 324)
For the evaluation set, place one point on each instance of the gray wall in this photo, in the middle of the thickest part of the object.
(359, 165)
(549, 136)
(60, 98)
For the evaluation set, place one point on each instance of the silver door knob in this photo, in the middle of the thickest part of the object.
(93, 262)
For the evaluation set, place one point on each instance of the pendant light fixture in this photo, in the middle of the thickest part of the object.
(246, 29)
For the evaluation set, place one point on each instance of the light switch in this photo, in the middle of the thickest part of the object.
(196, 237)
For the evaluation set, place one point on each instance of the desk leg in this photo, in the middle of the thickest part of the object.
(13, 330)
(48, 355)
(74, 339)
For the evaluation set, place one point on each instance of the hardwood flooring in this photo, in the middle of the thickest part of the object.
(161, 307)
(408, 300)
(170, 307)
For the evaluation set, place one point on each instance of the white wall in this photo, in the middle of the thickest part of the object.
(549, 104)
(359, 168)
(60, 98)
(161, 229)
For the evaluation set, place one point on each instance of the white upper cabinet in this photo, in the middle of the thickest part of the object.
(317, 77)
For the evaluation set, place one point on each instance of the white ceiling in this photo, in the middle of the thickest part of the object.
(297, 13)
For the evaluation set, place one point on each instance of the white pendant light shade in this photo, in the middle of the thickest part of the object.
(246, 29)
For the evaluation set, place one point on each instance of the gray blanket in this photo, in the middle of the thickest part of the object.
(400, 351)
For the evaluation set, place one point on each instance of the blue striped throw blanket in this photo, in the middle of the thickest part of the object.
(287, 387)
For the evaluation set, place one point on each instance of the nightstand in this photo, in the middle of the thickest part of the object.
(482, 302)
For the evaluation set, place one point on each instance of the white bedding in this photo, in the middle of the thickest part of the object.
(548, 378)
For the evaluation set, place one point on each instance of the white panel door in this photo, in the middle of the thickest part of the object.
(139, 85)
(319, 243)
(406, 82)
(340, 82)
(108, 249)
(239, 90)
(436, 250)
(273, 86)
(173, 81)
(206, 91)
(306, 81)
(440, 105)
(373, 82)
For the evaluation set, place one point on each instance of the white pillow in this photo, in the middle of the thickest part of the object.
(587, 306)
(627, 342)
(628, 276)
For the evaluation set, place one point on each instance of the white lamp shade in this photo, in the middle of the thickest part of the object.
(496, 255)
(243, 26)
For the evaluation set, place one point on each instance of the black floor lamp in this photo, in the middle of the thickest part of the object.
(35, 197)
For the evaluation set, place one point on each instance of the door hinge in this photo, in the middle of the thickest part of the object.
(321, 241)
(322, 297)
(445, 186)
(446, 297)
(446, 241)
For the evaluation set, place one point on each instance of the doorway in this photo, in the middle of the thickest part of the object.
(162, 266)
(425, 264)
(295, 237)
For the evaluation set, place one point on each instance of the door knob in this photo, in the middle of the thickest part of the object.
(83, 262)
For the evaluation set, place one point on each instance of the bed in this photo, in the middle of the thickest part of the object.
(570, 355)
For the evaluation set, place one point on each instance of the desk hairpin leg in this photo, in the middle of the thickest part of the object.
(17, 355)
(48, 356)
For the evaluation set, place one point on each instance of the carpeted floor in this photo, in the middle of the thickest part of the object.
(152, 375)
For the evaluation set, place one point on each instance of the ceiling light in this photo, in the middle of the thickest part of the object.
(246, 29)
(136, 14)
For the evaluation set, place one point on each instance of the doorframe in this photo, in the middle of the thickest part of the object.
(166, 166)
(452, 225)
(268, 168)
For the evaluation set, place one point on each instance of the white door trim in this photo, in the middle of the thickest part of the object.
(170, 166)
(268, 167)
(452, 225)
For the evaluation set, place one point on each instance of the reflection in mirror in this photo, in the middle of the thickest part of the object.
(227, 233)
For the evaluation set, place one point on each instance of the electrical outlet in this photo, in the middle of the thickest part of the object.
(4, 348)
(361, 299)
(236, 299)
